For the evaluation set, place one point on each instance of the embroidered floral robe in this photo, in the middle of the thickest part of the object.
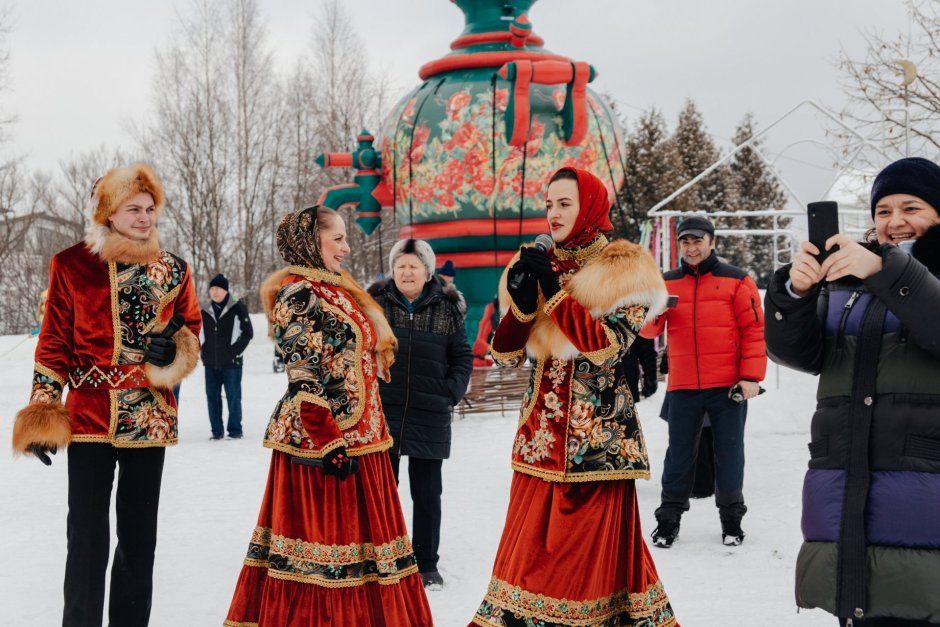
(328, 343)
(93, 340)
(578, 420)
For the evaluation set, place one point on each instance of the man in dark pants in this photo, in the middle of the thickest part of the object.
(715, 336)
(226, 330)
(120, 331)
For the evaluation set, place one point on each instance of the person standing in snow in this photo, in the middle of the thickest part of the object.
(428, 379)
(863, 320)
(226, 332)
(120, 329)
(715, 335)
(571, 552)
(330, 546)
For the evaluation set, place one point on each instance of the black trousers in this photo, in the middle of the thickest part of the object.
(91, 476)
(424, 476)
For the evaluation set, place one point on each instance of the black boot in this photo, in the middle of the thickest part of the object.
(731, 533)
(666, 533)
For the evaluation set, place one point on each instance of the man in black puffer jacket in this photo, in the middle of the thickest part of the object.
(430, 376)
(226, 330)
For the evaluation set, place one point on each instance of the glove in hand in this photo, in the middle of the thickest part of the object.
(526, 295)
(40, 451)
(339, 464)
(540, 265)
(161, 351)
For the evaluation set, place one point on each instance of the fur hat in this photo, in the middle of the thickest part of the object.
(118, 185)
(914, 175)
(417, 247)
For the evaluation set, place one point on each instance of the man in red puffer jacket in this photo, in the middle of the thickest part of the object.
(715, 335)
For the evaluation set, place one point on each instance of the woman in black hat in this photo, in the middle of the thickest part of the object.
(863, 320)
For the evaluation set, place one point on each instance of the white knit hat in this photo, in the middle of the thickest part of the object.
(417, 247)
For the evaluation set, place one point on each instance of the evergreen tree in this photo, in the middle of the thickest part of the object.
(752, 186)
(651, 172)
(695, 151)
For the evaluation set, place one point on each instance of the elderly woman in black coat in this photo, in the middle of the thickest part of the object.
(865, 321)
(429, 378)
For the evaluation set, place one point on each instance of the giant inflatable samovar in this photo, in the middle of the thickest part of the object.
(465, 156)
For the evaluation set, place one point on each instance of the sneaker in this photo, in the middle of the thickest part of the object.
(666, 533)
(432, 581)
(237, 436)
(215, 437)
(731, 533)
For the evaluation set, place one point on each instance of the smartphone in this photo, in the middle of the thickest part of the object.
(823, 220)
(672, 301)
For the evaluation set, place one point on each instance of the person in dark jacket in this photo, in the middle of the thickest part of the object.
(640, 367)
(428, 379)
(226, 330)
(715, 335)
(864, 320)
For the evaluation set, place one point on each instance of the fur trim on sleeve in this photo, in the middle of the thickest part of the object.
(187, 356)
(41, 423)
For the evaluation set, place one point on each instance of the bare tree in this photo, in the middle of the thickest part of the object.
(190, 140)
(896, 86)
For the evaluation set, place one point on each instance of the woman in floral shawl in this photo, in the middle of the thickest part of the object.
(330, 547)
(572, 552)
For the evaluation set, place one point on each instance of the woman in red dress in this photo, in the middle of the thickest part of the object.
(572, 552)
(330, 547)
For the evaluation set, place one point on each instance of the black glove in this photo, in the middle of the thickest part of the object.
(650, 386)
(40, 450)
(525, 295)
(540, 265)
(339, 464)
(161, 351)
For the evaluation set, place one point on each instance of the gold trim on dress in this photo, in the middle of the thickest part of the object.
(354, 417)
(585, 253)
(578, 612)
(563, 476)
(384, 445)
(48, 372)
(536, 382)
(554, 301)
(389, 580)
(115, 317)
(507, 356)
(168, 298)
(316, 274)
(521, 317)
(112, 378)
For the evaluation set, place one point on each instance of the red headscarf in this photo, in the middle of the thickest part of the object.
(594, 209)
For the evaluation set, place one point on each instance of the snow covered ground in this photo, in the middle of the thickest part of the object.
(211, 493)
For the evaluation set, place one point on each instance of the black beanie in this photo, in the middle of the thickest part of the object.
(219, 280)
(913, 175)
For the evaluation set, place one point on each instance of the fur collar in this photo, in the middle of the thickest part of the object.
(436, 286)
(623, 273)
(110, 245)
(385, 344)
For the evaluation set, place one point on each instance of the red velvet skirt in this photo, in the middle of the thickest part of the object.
(330, 552)
(573, 554)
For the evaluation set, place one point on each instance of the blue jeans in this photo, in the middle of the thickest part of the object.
(231, 379)
(685, 413)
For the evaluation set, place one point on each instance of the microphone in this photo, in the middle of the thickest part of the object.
(174, 325)
(542, 243)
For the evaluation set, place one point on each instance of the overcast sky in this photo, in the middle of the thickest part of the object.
(81, 70)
